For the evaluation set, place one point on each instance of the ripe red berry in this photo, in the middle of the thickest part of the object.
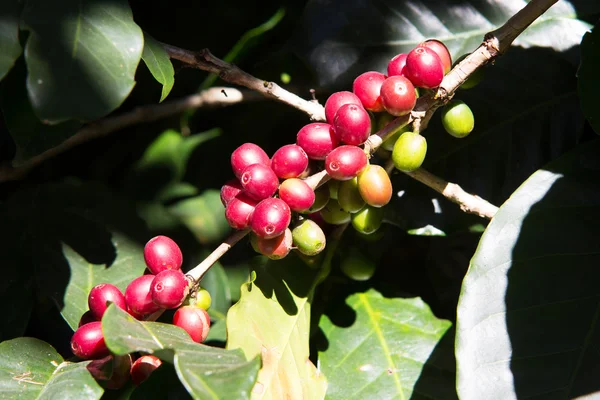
(424, 68)
(345, 162)
(88, 341)
(248, 154)
(195, 321)
(138, 296)
(336, 100)
(367, 87)
(442, 51)
(229, 190)
(143, 367)
(290, 161)
(239, 211)
(297, 194)
(352, 124)
(396, 65)
(169, 289)
(162, 253)
(259, 181)
(111, 372)
(317, 140)
(398, 95)
(271, 218)
(101, 296)
(276, 248)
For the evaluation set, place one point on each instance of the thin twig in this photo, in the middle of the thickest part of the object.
(206, 61)
(213, 97)
(198, 272)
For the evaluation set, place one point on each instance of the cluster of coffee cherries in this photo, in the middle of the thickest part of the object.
(146, 297)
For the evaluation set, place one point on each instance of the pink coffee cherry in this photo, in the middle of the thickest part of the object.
(352, 124)
(259, 181)
(367, 87)
(101, 296)
(248, 154)
(276, 248)
(398, 95)
(424, 68)
(396, 65)
(88, 342)
(229, 190)
(138, 296)
(143, 367)
(317, 140)
(161, 253)
(345, 162)
(442, 51)
(297, 194)
(336, 100)
(289, 161)
(195, 321)
(169, 289)
(238, 212)
(271, 218)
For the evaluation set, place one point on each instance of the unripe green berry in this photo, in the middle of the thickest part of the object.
(409, 151)
(388, 143)
(308, 237)
(458, 119)
(357, 266)
(334, 214)
(203, 299)
(254, 242)
(321, 199)
(368, 220)
(349, 196)
(333, 186)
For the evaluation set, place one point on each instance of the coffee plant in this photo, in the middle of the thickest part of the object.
(412, 215)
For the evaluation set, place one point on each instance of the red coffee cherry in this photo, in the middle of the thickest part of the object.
(143, 367)
(248, 154)
(442, 51)
(169, 289)
(111, 372)
(398, 95)
(229, 190)
(297, 194)
(276, 248)
(290, 161)
(101, 296)
(161, 253)
(367, 88)
(424, 68)
(88, 342)
(345, 162)
(238, 212)
(352, 124)
(195, 321)
(336, 100)
(375, 186)
(271, 218)
(396, 65)
(317, 140)
(259, 181)
(138, 296)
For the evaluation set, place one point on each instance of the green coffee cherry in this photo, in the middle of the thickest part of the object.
(473, 79)
(458, 119)
(349, 196)
(308, 237)
(357, 266)
(254, 242)
(203, 299)
(333, 186)
(409, 151)
(388, 143)
(334, 214)
(368, 220)
(321, 199)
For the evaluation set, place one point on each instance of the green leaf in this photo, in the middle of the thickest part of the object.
(204, 215)
(159, 63)
(528, 312)
(9, 35)
(588, 83)
(385, 351)
(218, 332)
(128, 265)
(272, 319)
(84, 53)
(32, 369)
(206, 372)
